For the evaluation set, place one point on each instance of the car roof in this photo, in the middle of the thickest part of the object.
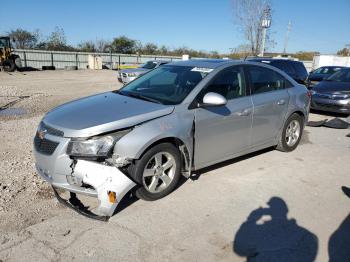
(206, 63)
(333, 67)
(158, 61)
(261, 59)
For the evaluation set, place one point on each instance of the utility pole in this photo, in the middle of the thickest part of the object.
(265, 24)
(289, 28)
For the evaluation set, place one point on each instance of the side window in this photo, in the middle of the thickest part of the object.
(229, 83)
(265, 80)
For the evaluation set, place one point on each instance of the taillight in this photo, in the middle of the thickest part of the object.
(309, 93)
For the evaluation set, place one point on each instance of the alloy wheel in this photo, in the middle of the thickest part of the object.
(293, 133)
(159, 172)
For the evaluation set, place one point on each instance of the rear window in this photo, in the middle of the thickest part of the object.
(285, 66)
(300, 68)
(150, 65)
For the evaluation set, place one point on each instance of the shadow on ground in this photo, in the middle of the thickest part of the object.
(339, 242)
(268, 235)
(330, 114)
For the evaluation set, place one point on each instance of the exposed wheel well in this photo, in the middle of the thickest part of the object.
(178, 143)
(300, 113)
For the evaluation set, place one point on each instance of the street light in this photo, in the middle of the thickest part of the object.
(265, 23)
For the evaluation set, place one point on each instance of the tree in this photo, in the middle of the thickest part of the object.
(163, 50)
(56, 41)
(305, 56)
(345, 51)
(23, 38)
(150, 49)
(87, 46)
(102, 45)
(248, 15)
(124, 45)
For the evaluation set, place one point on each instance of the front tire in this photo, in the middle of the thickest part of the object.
(9, 65)
(291, 133)
(157, 172)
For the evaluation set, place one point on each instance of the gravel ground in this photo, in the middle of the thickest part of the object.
(198, 222)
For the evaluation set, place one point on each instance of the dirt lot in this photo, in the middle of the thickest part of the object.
(200, 221)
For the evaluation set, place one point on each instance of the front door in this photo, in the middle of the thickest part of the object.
(223, 131)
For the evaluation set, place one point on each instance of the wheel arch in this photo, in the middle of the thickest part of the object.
(180, 145)
(300, 113)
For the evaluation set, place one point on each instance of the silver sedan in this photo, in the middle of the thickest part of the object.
(173, 120)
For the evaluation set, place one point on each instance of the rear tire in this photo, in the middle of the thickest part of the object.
(157, 172)
(291, 133)
(9, 65)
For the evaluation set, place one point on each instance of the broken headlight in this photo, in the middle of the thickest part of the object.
(96, 146)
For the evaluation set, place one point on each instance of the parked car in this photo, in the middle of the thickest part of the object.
(179, 117)
(127, 75)
(294, 69)
(333, 93)
(321, 73)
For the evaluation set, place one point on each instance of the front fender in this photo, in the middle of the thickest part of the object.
(176, 125)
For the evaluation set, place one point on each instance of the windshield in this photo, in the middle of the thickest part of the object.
(4, 42)
(167, 84)
(327, 70)
(150, 65)
(340, 76)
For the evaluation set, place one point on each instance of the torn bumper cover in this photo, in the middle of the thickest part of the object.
(109, 182)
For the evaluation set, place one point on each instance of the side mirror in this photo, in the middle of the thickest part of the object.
(213, 99)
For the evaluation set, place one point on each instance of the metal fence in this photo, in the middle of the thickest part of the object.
(60, 59)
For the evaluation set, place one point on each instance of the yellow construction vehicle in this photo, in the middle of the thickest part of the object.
(8, 60)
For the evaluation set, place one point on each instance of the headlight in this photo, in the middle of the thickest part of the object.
(132, 74)
(340, 96)
(96, 146)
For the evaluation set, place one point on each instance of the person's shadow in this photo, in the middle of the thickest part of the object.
(339, 242)
(268, 235)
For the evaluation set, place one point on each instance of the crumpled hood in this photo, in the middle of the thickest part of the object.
(138, 70)
(332, 87)
(102, 113)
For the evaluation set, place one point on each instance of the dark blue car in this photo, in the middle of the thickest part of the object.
(322, 73)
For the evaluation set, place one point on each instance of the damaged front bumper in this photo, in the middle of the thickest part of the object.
(105, 182)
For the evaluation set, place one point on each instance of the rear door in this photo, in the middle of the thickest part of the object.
(270, 101)
(225, 130)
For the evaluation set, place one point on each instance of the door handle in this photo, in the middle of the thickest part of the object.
(245, 112)
(281, 102)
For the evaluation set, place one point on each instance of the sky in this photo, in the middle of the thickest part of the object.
(317, 25)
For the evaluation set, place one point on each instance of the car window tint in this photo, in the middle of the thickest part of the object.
(300, 69)
(284, 66)
(265, 80)
(164, 78)
(229, 83)
(333, 70)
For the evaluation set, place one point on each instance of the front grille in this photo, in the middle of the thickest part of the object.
(44, 146)
(50, 130)
(328, 96)
(328, 105)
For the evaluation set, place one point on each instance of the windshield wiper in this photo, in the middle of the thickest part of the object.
(139, 96)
